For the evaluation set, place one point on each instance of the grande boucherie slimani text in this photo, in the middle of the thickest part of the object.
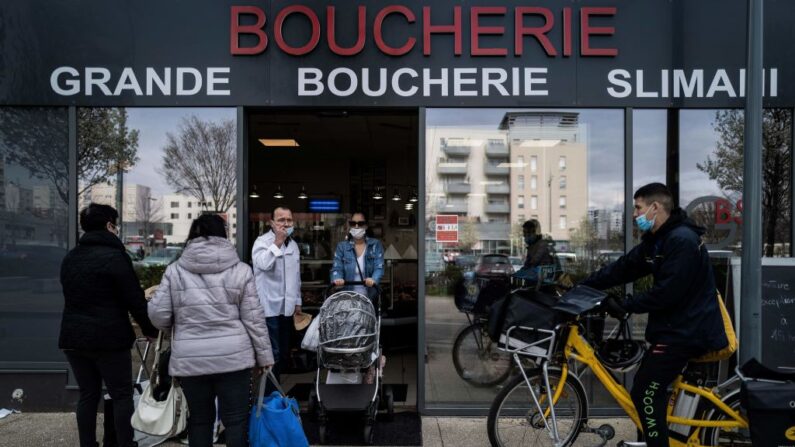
(532, 26)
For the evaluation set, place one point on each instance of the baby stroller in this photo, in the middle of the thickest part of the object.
(349, 334)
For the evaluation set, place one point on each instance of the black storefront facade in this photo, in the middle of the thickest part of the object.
(550, 110)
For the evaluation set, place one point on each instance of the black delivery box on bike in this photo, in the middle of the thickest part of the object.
(769, 399)
(523, 307)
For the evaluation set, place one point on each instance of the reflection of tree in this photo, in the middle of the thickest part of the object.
(200, 161)
(468, 236)
(148, 213)
(104, 144)
(585, 242)
(726, 165)
(36, 139)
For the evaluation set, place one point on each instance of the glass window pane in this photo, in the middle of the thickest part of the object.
(34, 220)
(587, 144)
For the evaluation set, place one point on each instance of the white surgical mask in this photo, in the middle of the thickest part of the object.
(357, 233)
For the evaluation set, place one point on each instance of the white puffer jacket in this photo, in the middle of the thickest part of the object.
(209, 294)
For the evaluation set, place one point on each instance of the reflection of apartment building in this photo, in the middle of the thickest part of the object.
(137, 201)
(549, 170)
(468, 176)
(607, 223)
(180, 210)
(18, 199)
(2, 183)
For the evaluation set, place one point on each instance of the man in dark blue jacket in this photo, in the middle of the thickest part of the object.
(684, 318)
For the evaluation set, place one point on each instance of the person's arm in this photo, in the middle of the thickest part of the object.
(338, 267)
(378, 266)
(626, 269)
(130, 292)
(680, 265)
(253, 317)
(161, 308)
(265, 253)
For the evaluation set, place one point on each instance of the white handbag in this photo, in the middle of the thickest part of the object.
(161, 418)
(312, 337)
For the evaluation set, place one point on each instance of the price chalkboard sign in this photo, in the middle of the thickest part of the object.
(778, 316)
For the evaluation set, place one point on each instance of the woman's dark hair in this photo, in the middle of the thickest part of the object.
(96, 217)
(207, 225)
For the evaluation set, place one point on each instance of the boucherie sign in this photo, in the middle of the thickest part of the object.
(655, 53)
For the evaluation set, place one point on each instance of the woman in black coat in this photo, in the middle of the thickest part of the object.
(100, 291)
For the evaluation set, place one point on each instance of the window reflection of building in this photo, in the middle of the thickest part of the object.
(553, 142)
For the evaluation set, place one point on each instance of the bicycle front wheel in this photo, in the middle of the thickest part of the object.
(515, 420)
(477, 359)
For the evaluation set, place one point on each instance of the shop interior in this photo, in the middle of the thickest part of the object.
(323, 165)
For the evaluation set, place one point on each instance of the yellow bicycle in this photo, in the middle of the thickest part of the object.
(522, 414)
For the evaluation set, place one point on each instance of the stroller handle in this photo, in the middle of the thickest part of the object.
(375, 286)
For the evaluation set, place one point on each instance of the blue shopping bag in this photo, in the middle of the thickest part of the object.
(275, 420)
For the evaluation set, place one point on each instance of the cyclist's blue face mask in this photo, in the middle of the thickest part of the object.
(531, 239)
(644, 224)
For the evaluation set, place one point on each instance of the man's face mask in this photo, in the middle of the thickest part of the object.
(643, 222)
(531, 239)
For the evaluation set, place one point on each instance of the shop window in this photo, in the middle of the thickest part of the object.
(593, 179)
(34, 197)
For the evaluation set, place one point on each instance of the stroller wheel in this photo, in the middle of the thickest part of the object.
(389, 403)
(368, 433)
(322, 433)
(312, 406)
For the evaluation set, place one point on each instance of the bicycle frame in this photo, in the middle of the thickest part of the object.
(577, 348)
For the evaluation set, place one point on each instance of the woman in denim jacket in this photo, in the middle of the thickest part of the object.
(358, 258)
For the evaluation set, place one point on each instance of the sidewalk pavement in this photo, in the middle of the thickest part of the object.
(60, 429)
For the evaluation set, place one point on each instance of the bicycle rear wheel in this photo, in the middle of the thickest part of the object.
(477, 359)
(726, 437)
(514, 419)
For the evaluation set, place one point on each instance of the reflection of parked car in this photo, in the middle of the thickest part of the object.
(466, 262)
(516, 263)
(608, 257)
(565, 259)
(494, 267)
(162, 256)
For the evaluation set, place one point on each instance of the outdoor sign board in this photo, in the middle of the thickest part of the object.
(511, 53)
(447, 228)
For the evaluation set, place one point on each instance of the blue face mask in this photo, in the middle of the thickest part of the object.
(531, 239)
(644, 224)
(289, 231)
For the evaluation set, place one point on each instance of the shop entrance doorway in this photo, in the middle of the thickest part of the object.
(324, 165)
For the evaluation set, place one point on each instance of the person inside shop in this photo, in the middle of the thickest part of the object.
(540, 259)
(358, 258)
(100, 289)
(209, 299)
(277, 269)
(684, 320)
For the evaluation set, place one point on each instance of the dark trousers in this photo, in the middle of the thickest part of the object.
(279, 330)
(658, 370)
(232, 390)
(91, 369)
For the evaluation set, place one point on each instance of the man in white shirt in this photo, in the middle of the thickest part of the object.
(277, 273)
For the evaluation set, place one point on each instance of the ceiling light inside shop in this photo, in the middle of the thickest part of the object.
(539, 143)
(276, 142)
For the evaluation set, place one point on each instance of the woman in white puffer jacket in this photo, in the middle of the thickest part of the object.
(208, 296)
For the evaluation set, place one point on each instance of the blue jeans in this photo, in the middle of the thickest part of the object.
(280, 329)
